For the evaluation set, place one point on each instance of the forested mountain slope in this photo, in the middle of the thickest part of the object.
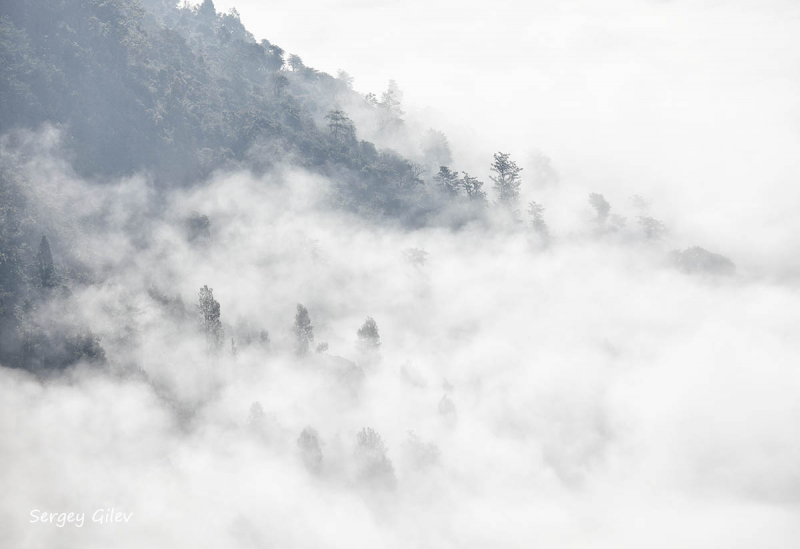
(180, 92)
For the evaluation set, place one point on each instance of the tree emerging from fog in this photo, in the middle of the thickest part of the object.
(507, 180)
(309, 445)
(211, 324)
(303, 331)
(369, 339)
(539, 225)
(375, 468)
(601, 207)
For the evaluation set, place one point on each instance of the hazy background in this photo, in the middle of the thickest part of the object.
(697, 103)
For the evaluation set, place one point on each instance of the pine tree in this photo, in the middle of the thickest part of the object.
(303, 330)
(375, 467)
(601, 206)
(474, 189)
(210, 323)
(507, 180)
(257, 420)
(538, 223)
(341, 127)
(448, 181)
(207, 9)
(310, 447)
(369, 339)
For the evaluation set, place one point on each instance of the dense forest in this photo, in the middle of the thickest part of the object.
(223, 271)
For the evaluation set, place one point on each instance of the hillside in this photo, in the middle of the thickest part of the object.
(181, 92)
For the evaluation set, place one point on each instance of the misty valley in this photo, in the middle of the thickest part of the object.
(244, 304)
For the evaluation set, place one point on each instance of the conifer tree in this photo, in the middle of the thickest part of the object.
(538, 223)
(210, 322)
(369, 339)
(303, 330)
(507, 180)
(310, 447)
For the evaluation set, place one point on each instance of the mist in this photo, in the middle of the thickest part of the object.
(690, 103)
(266, 344)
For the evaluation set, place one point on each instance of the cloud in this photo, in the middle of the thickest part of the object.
(599, 396)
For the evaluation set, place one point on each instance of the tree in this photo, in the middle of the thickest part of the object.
(310, 447)
(435, 149)
(374, 466)
(207, 9)
(617, 223)
(257, 419)
(341, 127)
(507, 180)
(211, 324)
(295, 63)
(390, 105)
(371, 99)
(345, 78)
(369, 339)
(446, 406)
(448, 181)
(278, 83)
(44, 261)
(536, 211)
(544, 175)
(234, 349)
(640, 203)
(601, 206)
(697, 260)
(303, 330)
(263, 339)
(473, 188)
(653, 229)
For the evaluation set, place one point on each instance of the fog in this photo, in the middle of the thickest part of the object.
(570, 389)
(582, 394)
(694, 103)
